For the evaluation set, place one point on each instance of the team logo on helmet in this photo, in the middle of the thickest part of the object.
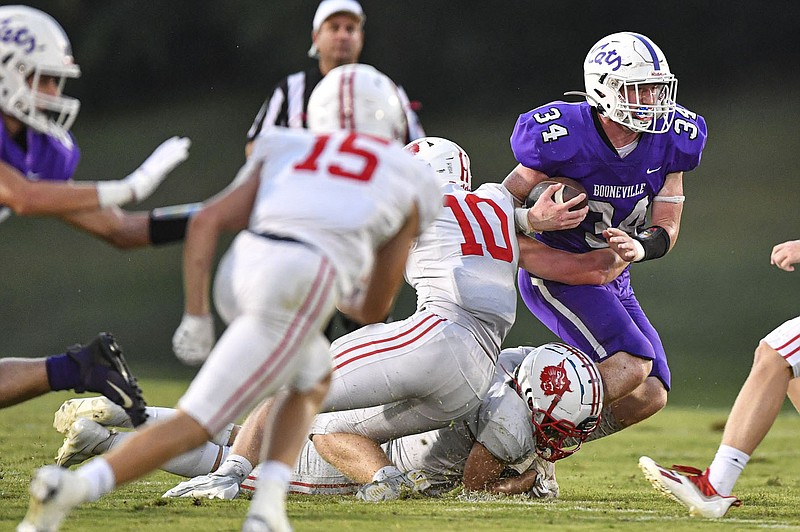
(554, 380)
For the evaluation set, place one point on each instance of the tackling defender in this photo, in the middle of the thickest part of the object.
(38, 157)
(629, 145)
(326, 256)
(776, 366)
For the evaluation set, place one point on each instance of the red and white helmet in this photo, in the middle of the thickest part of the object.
(357, 98)
(615, 71)
(448, 160)
(33, 45)
(564, 391)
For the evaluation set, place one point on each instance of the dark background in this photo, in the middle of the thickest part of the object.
(152, 69)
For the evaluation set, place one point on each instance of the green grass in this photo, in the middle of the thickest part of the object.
(601, 486)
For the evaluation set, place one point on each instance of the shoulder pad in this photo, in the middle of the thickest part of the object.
(548, 135)
(688, 138)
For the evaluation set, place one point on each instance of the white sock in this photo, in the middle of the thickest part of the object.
(725, 469)
(386, 472)
(235, 465)
(276, 471)
(198, 461)
(99, 478)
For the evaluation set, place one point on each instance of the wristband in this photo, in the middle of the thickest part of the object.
(521, 220)
(654, 242)
(168, 224)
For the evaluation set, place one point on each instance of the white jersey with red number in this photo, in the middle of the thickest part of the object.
(343, 193)
(463, 267)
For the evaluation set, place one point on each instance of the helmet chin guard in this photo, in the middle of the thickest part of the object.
(628, 80)
(34, 46)
(564, 391)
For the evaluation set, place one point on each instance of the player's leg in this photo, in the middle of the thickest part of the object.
(776, 362)
(98, 366)
(226, 480)
(603, 322)
(22, 379)
(351, 441)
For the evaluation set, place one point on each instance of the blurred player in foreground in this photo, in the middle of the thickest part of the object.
(629, 145)
(775, 365)
(38, 157)
(335, 212)
(497, 446)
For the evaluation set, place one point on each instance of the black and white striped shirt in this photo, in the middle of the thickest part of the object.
(287, 105)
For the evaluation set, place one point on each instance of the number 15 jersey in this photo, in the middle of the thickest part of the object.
(343, 193)
(463, 267)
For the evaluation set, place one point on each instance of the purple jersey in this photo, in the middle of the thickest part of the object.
(561, 139)
(46, 158)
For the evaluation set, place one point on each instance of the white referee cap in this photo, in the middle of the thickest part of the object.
(328, 8)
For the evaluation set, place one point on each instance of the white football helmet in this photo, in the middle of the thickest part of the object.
(33, 45)
(564, 391)
(448, 160)
(628, 79)
(357, 98)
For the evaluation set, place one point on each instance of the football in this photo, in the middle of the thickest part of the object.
(570, 189)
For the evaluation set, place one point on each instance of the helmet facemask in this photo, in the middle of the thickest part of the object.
(560, 438)
(564, 392)
(628, 80)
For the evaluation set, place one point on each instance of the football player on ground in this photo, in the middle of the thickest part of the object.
(497, 446)
(38, 157)
(776, 366)
(335, 210)
(629, 145)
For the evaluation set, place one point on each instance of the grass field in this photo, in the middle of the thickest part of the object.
(601, 486)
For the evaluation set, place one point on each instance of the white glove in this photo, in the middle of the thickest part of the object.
(144, 180)
(193, 339)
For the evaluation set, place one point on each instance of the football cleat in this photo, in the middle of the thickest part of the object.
(99, 409)
(689, 486)
(545, 486)
(84, 439)
(210, 486)
(54, 491)
(103, 370)
(394, 487)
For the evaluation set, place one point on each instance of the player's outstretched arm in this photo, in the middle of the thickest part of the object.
(194, 338)
(785, 255)
(482, 472)
(46, 198)
(595, 267)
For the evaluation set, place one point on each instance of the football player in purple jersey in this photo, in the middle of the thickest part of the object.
(38, 157)
(629, 145)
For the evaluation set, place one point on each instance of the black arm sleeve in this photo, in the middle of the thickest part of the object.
(655, 241)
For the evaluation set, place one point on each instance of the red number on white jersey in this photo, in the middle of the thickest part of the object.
(471, 246)
(349, 146)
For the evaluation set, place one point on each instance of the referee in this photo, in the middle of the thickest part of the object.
(337, 39)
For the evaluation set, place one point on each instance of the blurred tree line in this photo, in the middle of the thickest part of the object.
(152, 69)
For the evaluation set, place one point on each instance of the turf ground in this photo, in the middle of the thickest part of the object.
(601, 486)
